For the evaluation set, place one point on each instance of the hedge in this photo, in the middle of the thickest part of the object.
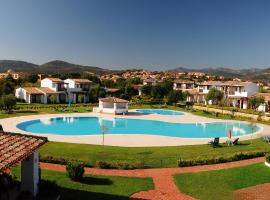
(235, 157)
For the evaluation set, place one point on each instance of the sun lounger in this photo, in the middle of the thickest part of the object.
(266, 138)
(235, 141)
(214, 142)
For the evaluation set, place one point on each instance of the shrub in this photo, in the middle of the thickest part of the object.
(75, 170)
(236, 157)
(104, 165)
(7, 103)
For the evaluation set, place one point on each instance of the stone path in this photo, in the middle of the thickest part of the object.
(165, 188)
(261, 192)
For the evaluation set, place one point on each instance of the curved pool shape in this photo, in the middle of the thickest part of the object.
(159, 111)
(93, 126)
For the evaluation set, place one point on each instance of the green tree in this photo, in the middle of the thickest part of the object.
(167, 86)
(7, 103)
(255, 102)
(146, 89)
(32, 78)
(7, 86)
(52, 98)
(108, 83)
(175, 96)
(157, 92)
(81, 98)
(214, 95)
(96, 92)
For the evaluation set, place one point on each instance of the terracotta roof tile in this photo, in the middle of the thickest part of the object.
(56, 80)
(16, 147)
(81, 80)
(39, 90)
(113, 100)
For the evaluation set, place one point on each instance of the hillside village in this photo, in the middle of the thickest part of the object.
(87, 87)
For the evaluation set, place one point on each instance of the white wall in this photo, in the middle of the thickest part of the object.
(251, 89)
(48, 83)
(30, 174)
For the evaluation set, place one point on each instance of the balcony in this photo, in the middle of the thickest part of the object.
(238, 94)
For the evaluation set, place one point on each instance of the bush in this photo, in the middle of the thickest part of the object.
(236, 157)
(7, 103)
(104, 165)
(75, 170)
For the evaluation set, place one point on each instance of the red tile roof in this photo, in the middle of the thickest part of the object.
(113, 100)
(39, 90)
(15, 147)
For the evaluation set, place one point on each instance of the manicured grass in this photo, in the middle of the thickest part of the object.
(95, 187)
(212, 185)
(23, 109)
(153, 157)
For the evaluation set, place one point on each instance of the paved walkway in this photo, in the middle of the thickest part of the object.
(261, 192)
(165, 189)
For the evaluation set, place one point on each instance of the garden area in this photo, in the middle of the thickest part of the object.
(151, 157)
(88, 187)
(221, 184)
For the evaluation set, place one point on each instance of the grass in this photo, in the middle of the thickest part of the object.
(153, 157)
(23, 109)
(212, 185)
(95, 187)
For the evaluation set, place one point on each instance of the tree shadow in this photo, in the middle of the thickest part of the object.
(96, 181)
(71, 194)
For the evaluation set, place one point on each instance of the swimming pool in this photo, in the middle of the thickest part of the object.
(159, 112)
(93, 126)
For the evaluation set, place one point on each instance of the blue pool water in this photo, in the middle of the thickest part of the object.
(92, 126)
(159, 111)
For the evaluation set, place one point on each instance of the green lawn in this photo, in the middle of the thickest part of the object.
(213, 185)
(95, 187)
(153, 157)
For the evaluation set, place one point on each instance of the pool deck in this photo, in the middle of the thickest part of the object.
(9, 124)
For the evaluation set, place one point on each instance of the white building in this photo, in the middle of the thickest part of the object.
(68, 91)
(36, 94)
(76, 88)
(236, 92)
(150, 82)
(113, 105)
(58, 86)
(183, 85)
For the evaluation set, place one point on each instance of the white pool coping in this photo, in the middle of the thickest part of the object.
(128, 140)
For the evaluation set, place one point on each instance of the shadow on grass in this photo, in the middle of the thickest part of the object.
(71, 194)
(25, 111)
(96, 181)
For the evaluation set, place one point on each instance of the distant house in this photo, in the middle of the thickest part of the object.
(58, 85)
(265, 107)
(35, 94)
(112, 105)
(76, 88)
(150, 82)
(65, 91)
(13, 74)
(183, 84)
(236, 92)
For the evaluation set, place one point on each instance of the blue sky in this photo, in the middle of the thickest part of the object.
(151, 34)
